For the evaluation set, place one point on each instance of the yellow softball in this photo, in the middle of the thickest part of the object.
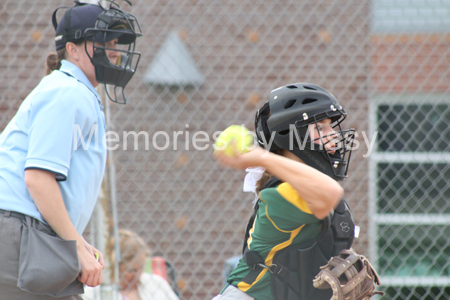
(234, 141)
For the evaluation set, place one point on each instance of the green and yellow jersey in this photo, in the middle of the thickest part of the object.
(282, 219)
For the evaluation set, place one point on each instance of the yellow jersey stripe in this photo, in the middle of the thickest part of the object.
(249, 240)
(244, 286)
(290, 194)
(283, 245)
(271, 221)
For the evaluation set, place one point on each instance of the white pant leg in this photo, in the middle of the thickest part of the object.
(233, 293)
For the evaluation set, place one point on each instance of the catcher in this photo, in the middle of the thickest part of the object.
(300, 218)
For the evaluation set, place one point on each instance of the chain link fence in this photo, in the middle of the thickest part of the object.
(208, 64)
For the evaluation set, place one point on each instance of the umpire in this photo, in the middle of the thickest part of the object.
(53, 159)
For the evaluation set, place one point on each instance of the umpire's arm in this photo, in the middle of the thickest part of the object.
(45, 192)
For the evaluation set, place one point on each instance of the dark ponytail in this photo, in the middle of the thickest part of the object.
(54, 60)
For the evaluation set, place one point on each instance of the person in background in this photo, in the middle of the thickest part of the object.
(134, 283)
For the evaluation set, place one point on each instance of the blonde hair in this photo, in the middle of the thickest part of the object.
(131, 246)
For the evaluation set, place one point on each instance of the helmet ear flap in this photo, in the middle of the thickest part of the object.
(262, 131)
(259, 116)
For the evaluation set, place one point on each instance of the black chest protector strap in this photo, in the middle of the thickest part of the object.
(273, 182)
(252, 258)
(294, 267)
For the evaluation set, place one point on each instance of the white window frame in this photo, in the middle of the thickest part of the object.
(376, 219)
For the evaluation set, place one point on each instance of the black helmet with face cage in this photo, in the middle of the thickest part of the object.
(102, 25)
(283, 123)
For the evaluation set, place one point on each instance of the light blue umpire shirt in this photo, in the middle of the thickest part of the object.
(59, 128)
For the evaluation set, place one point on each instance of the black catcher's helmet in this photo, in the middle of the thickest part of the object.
(283, 123)
(99, 25)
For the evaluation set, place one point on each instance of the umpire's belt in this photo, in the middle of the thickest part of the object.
(14, 214)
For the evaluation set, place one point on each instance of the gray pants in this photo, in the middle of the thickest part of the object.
(10, 237)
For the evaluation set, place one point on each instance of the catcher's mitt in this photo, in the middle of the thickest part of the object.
(350, 276)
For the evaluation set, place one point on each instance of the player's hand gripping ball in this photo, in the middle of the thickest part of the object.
(234, 141)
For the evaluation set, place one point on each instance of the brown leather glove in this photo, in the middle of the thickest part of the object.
(350, 276)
